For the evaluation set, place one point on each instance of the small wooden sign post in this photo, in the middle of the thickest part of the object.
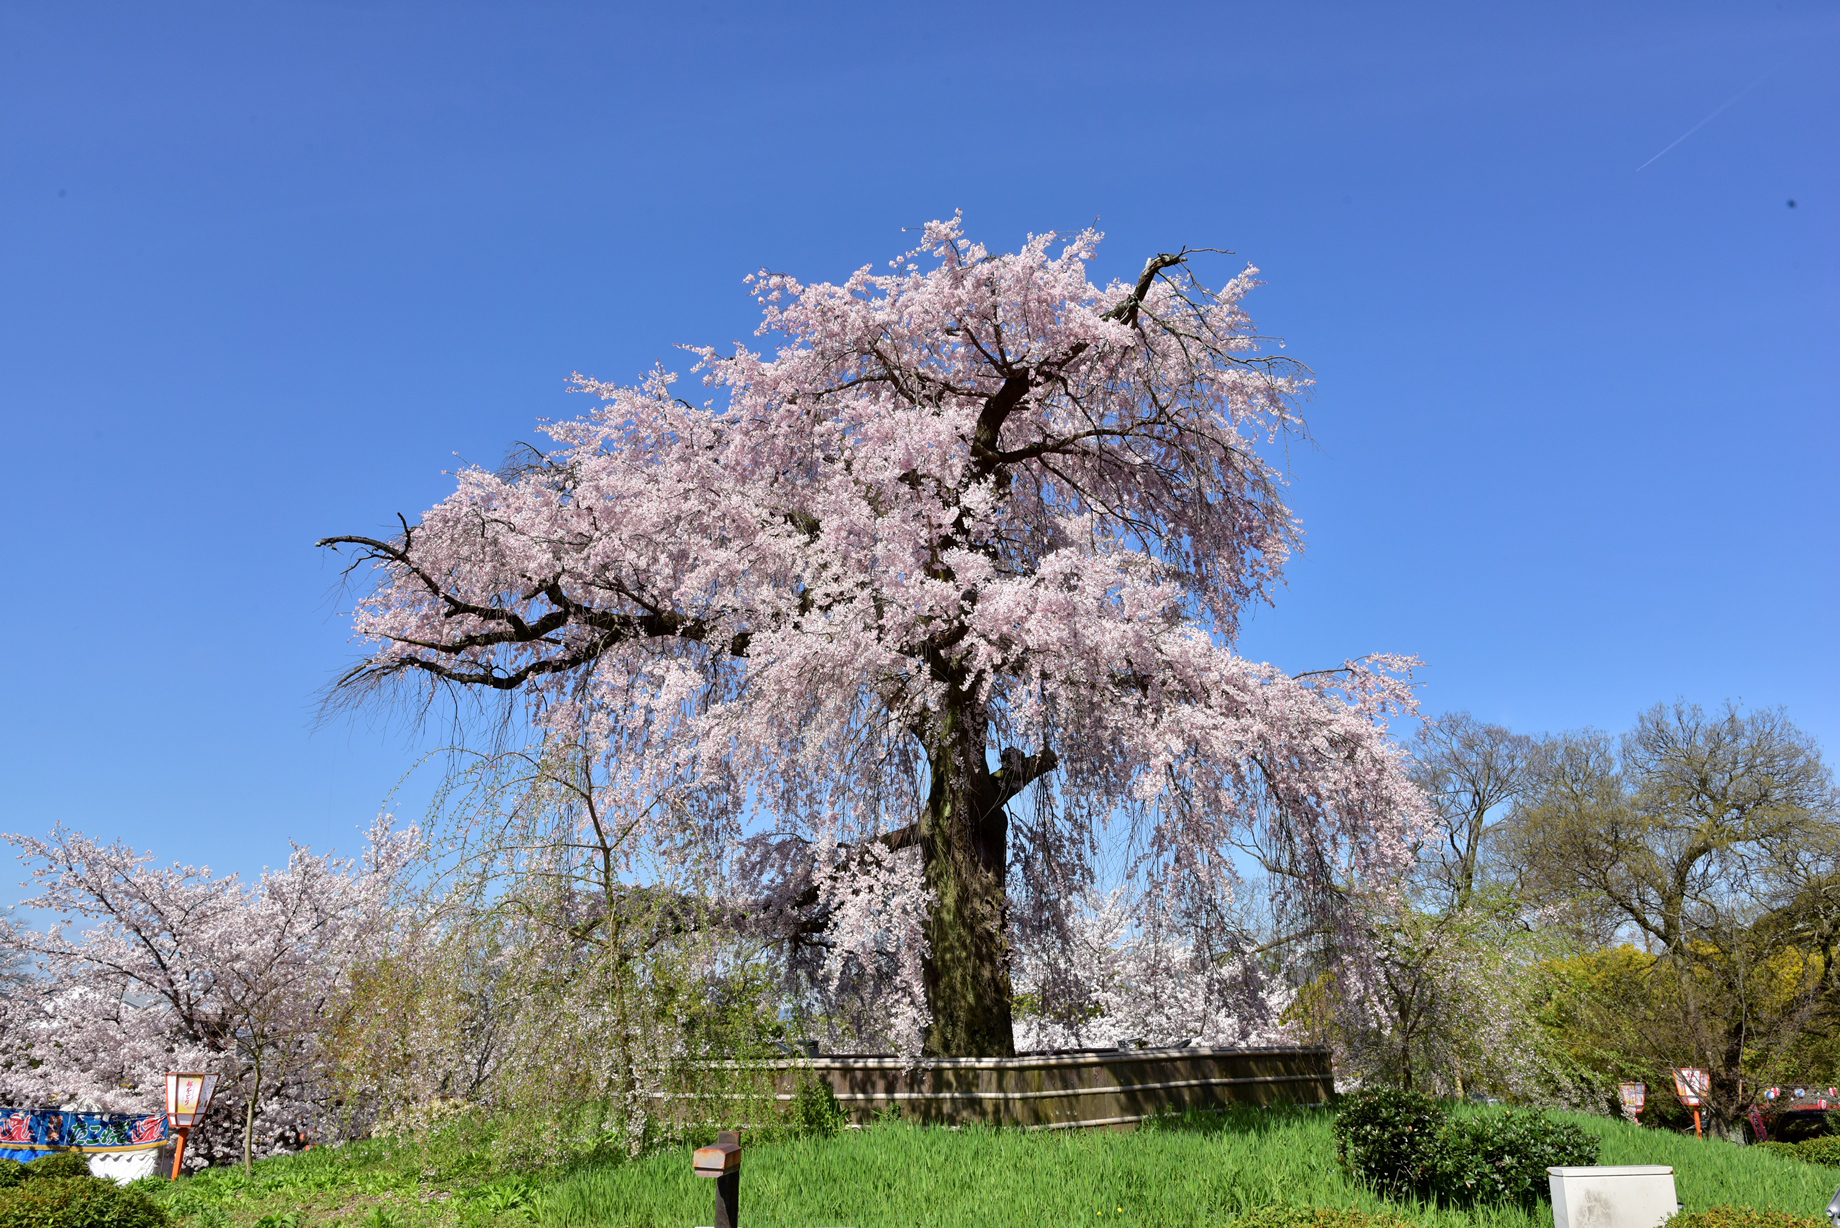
(1691, 1084)
(722, 1163)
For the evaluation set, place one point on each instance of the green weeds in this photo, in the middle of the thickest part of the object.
(361, 1185)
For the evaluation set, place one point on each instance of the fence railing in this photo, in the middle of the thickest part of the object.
(1064, 1090)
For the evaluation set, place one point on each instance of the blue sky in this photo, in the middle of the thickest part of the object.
(267, 270)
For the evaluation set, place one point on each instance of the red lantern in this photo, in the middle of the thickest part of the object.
(188, 1095)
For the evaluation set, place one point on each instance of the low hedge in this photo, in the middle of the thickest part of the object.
(1504, 1158)
(1742, 1217)
(57, 1164)
(1314, 1217)
(1822, 1149)
(77, 1202)
(1390, 1138)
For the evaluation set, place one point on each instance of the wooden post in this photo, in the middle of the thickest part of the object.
(179, 1149)
(722, 1163)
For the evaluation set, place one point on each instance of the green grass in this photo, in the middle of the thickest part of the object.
(1198, 1172)
(1710, 1174)
(360, 1185)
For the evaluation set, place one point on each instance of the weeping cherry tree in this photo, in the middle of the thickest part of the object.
(957, 529)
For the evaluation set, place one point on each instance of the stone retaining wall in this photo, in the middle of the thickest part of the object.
(1054, 1091)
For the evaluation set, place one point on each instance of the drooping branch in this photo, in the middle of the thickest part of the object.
(612, 627)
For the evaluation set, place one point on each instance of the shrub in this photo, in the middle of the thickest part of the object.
(57, 1164)
(1314, 1217)
(1822, 1149)
(1390, 1138)
(12, 1172)
(1741, 1217)
(77, 1202)
(815, 1110)
(1403, 1143)
(1504, 1157)
(1786, 1150)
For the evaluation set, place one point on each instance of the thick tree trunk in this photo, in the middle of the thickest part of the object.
(964, 846)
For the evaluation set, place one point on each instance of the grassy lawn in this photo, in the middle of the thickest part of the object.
(360, 1185)
(1197, 1172)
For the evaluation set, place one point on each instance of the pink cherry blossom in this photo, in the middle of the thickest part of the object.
(176, 969)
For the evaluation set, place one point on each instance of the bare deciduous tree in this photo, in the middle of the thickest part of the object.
(1469, 770)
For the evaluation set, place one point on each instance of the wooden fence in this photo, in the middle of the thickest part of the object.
(1062, 1090)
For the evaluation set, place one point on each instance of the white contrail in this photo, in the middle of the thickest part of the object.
(1715, 113)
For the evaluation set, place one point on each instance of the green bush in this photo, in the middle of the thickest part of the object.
(815, 1111)
(1405, 1144)
(1314, 1217)
(1390, 1138)
(77, 1202)
(1786, 1150)
(1742, 1217)
(12, 1172)
(1504, 1157)
(57, 1164)
(1822, 1149)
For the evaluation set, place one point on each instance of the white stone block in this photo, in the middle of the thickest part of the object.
(1626, 1196)
(123, 1166)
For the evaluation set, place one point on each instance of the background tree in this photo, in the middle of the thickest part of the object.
(530, 972)
(967, 526)
(180, 969)
(1469, 770)
(1714, 841)
(1126, 984)
(1444, 1004)
(1442, 999)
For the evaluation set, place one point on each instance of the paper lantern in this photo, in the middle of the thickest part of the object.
(187, 1097)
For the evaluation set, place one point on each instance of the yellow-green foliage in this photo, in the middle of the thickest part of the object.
(1587, 1006)
(1824, 1149)
(1605, 1009)
(1743, 1217)
(1315, 1217)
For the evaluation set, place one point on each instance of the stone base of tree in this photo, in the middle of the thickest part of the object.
(1063, 1090)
